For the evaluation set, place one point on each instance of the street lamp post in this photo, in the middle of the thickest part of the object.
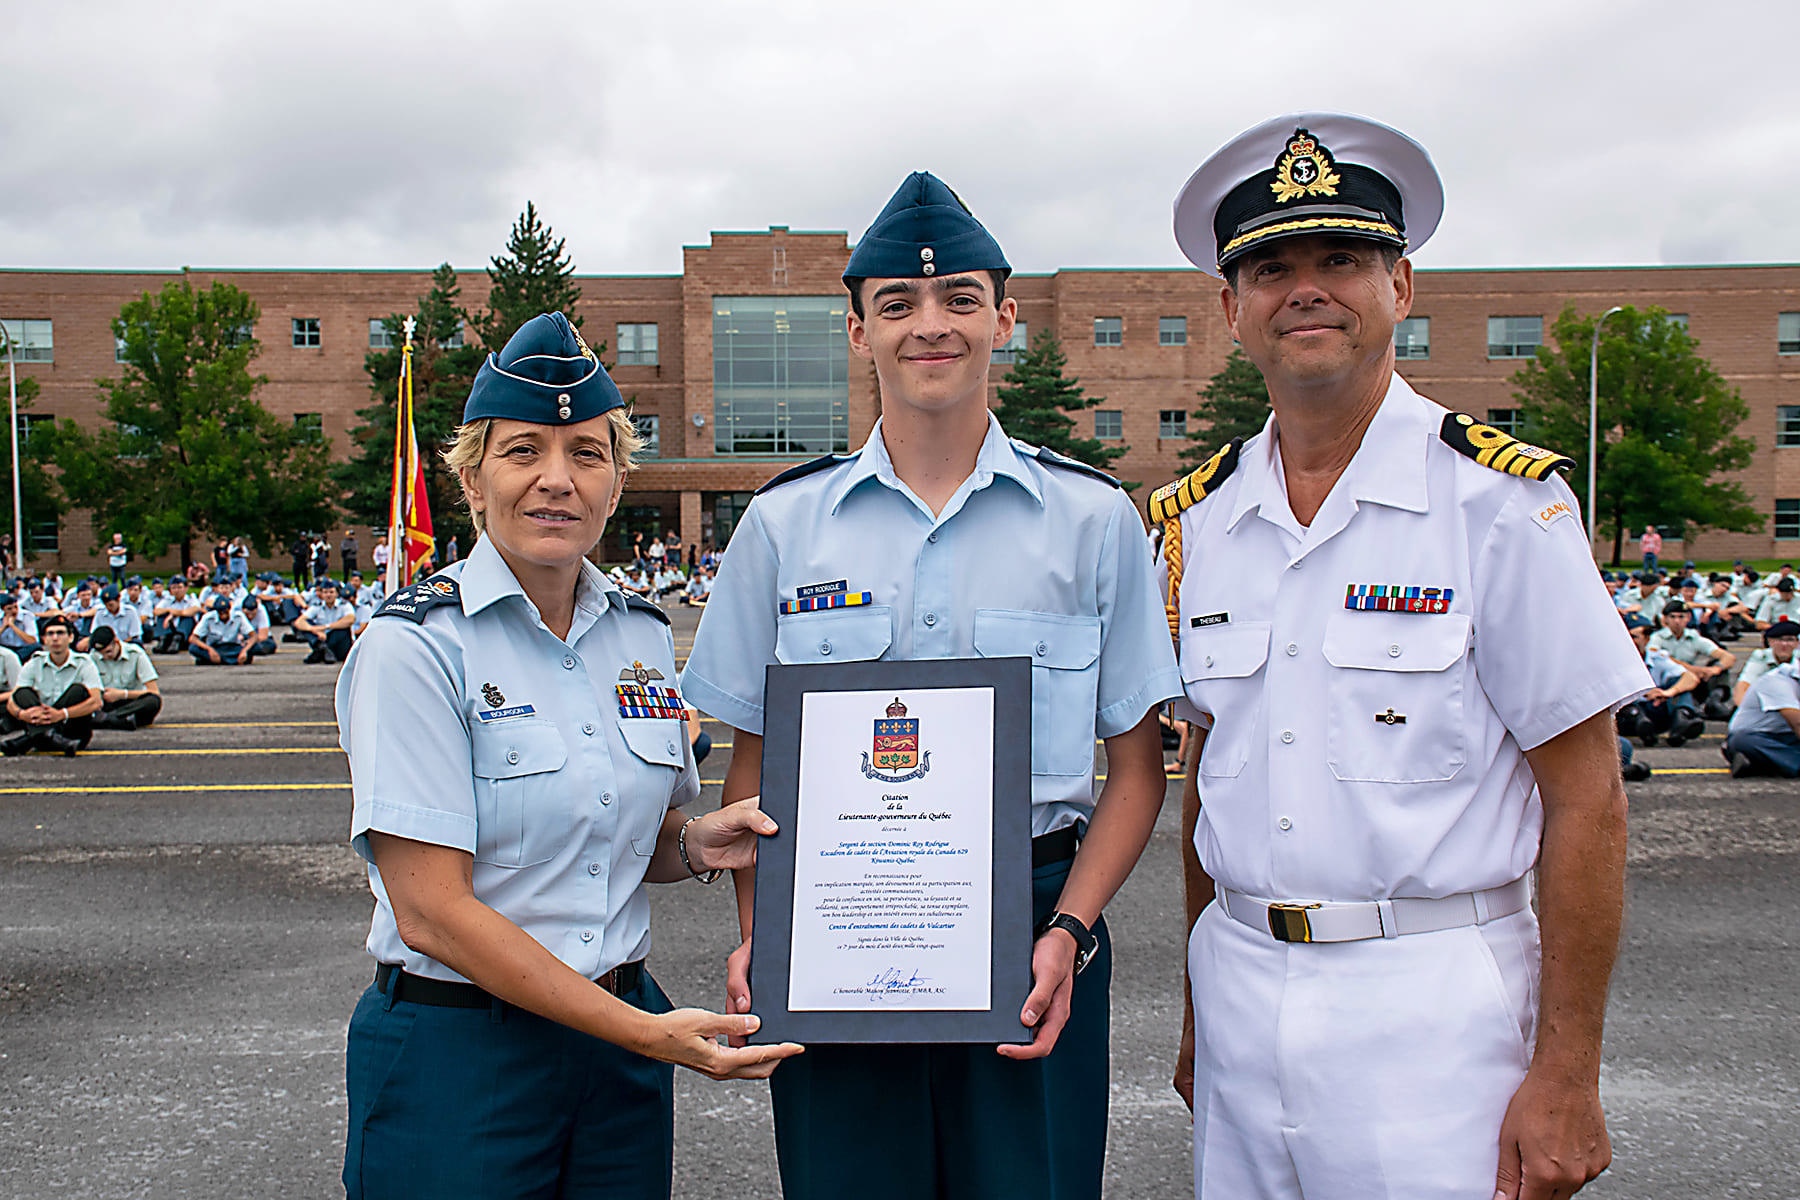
(1594, 417)
(12, 390)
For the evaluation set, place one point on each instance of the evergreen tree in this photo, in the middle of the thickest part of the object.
(444, 367)
(186, 449)
(534, 276)
(1668, 424)
(1234, 403)
(1037, 398)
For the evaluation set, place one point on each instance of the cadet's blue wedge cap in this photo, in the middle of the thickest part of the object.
(925, 230)
(546, 375)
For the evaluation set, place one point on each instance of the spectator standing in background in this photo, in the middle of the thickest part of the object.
(321, 557)
(1650, 545)
(6, 556)
(347, 550)
(301, 552)
(450, 551)
(116, 557)
(237, 560)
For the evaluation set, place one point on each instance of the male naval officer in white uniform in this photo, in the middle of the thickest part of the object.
(1385, 762)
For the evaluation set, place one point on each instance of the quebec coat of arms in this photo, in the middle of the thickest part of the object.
(896, 755)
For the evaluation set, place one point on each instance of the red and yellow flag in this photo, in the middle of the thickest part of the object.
(410, 543)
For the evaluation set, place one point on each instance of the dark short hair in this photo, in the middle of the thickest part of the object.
(854, 284)
(1390, 258)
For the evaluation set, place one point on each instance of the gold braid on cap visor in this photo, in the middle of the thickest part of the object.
(1346, 224)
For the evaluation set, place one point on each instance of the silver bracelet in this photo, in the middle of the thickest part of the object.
(711, 876)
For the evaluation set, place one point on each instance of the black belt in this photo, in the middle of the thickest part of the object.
(1055, 847)
(442, 993)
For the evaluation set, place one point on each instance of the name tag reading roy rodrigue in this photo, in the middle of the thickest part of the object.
(907, 917)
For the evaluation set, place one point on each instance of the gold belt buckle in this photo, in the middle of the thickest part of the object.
(1289, 922)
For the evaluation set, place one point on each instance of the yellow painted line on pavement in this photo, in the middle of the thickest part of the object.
(244, 724)
(176, 787)
(195, 750)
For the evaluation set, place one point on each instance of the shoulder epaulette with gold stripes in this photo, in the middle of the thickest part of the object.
(1168, 501)
(1499, 450)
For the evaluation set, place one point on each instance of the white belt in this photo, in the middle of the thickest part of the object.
(1302, 921)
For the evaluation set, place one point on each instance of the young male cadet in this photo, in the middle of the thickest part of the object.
(943, 538)
(57, 692)
(1385, 760)
(1780, 640)
(130, 695)
(1764, 735)
(326, 624)
(222, 636)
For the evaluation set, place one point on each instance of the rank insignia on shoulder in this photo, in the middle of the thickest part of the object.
(1499, 450)
(416, 599)
(1387, 597)
(1169, 501)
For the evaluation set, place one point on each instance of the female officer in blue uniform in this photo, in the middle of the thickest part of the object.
(517, 753)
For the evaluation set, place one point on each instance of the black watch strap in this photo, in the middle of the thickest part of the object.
(1085, 941)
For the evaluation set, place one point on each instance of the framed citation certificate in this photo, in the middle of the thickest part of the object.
(895, 903)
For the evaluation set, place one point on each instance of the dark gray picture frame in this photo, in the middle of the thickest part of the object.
(773, 918)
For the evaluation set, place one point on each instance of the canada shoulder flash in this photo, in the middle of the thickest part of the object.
(416, 599)
(1498, 450)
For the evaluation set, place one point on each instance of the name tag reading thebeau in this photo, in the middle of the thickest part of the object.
(1209, 619)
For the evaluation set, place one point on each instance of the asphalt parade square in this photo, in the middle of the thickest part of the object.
(181, 929)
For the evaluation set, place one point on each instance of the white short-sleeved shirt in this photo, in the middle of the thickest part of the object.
(130, 671)
(9, 669)
(1779, 606)
(1761, 710)
(481, 730)
(1026, 558)
(1358, 753)
(51, 681)
(1691, 649)
(1760, 663)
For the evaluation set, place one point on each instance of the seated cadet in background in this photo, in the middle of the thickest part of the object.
(283, 602)
(1653, 593)
(36, 602)
(699, 587)
(1779, 643)
(130, 696)
(176, 616)
(61, 723)
(1734, 616)
(18, 629)
(262, 638)
(141, 599)
(1764, 735)
(113, 614)
(1699, 654)
(81, 605)
(1669, 706)
(222, 636)
(1627, 596)
(326, 625)
(1779, 603)
(9, 675)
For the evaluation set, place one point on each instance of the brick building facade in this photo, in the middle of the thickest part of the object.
(1145, 340)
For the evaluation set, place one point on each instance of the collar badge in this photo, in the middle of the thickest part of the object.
(493, 695)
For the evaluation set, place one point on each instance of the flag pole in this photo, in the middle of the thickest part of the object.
(398, 573)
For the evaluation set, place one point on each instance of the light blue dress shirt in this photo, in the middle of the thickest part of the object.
(481, 730)
(233, 629)
(1026, 559)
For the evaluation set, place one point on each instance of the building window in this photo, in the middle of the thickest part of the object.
(1515, 337)
(1109, 331)
(31, 341)
(457, 340)
(1009, 353)
(41, 537)
(781, 375)
(637, 345)
(1787, 334)
(1412, 338)
(649, 428)
(1506, 420)
(1109, 424)
(310, 426)
(35, 425)
(1171, 423)
(242, 334)
(1171, 331)
(1787, 520)
(1678, 320)
(1787, 425)
(118, 348)
(306, 331)
(380, 336)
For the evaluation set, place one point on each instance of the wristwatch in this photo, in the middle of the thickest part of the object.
(1085, 942)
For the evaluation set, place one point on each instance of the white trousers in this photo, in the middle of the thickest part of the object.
(1372, 1070)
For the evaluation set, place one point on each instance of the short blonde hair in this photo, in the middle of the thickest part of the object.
(468, 445)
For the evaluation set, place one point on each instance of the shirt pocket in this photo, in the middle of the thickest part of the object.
(1218, 669)
(834, 635)
(655, 745)
(1064, 650)
(1411, 666)
(521, 816)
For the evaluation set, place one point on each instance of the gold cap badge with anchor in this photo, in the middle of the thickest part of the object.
(1304, 170)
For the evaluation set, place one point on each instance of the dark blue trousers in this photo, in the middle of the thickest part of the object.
(1772, 753)
(951, 1121)
(500, 1103)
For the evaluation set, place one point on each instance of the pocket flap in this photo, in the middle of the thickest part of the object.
(834, 635)
(1391, 641)
(1067, 642)
(509, 749)
(1225, 651)
(655, 739)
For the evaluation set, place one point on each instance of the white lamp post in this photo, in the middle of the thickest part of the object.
(1594, 417)
(12, 389)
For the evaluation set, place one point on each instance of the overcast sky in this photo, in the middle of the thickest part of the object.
(378, 134)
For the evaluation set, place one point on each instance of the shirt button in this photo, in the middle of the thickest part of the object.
(588, 729)
(512, 756)
(1285, 824)
(1287, 735)
(1394, 650)
(930, 618)
(1043, 648)
(1209, 660)
(587, 935)
(606, 797)
(568, 663)
(671, 747)
(824, 647)
(1292, 649)
(594, 868)
(932, 536)
(1295, 565)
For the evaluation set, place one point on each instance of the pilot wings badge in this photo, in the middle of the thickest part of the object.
(896, 753)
